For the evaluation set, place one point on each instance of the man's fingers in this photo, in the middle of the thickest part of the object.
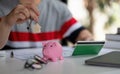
(20, 17)
(23, 10)
(32, 11)
(22, 13)
(33, 16)
(33, 8)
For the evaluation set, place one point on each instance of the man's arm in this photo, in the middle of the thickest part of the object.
(18, 15)
(4, 32)
(80, 34)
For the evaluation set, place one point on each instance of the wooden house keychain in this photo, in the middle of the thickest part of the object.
(34, 28)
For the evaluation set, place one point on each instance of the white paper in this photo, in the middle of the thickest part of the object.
(25, 54)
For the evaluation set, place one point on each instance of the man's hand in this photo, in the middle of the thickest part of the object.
(21, 13)
(84, 35)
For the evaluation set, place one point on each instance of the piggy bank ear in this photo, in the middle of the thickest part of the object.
(44, 43)
(54, 44)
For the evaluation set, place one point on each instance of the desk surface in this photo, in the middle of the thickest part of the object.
(70, 65)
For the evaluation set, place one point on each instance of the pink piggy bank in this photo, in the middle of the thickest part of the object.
(52, 51)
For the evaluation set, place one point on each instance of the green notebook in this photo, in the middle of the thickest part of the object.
(88, 47)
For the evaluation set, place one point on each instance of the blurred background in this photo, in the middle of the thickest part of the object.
(99, 16)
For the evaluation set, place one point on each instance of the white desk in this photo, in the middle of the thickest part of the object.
(70, 65)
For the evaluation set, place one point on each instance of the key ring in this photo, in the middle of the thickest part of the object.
(32, 64)
(38, 58)
(36, 63)
(29, 25)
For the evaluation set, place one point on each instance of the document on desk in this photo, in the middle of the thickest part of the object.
(25, 54)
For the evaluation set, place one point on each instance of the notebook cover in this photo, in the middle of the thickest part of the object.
(111, 59)
(87, 47)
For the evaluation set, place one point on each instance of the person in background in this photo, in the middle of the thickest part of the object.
(27, 23)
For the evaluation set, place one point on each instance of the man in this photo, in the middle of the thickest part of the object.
(18, 27)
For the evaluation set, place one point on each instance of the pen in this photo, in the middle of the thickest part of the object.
(12, 54)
